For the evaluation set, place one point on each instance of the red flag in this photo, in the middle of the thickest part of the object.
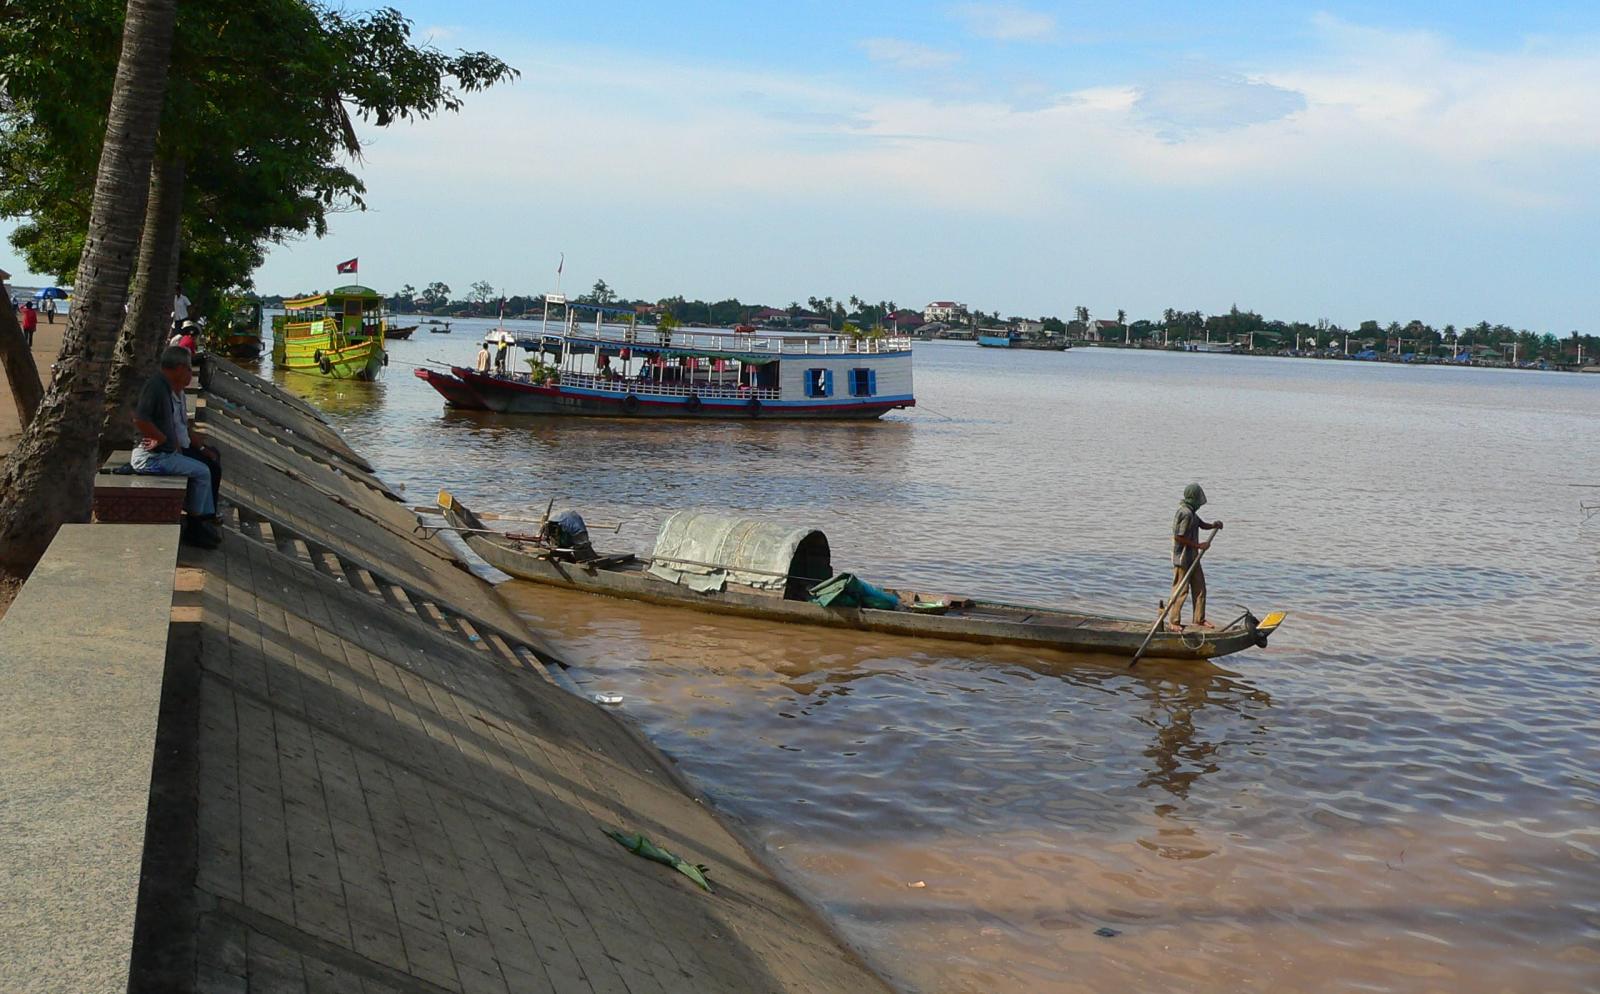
(347, 266)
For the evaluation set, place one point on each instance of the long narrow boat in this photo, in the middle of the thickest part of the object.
(338, 334)
(1014, 340)
(760, 570)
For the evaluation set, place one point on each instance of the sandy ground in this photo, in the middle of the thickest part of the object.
(46, 343)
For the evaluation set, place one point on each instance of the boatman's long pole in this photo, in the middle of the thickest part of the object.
(1181, 591)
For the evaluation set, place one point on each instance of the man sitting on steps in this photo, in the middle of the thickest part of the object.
(164, 447)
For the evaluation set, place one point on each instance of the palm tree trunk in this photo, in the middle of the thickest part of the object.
(48, 478)
(149, 319)
(22, 373)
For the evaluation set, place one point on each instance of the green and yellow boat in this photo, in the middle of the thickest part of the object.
(338, 334)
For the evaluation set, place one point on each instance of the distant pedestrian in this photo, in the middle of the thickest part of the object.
(30, 322)
(50, 310)
(180, 307)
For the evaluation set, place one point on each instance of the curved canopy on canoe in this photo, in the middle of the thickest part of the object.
(704, 551)
(338, 294)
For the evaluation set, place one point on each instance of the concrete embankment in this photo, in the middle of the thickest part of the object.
(367, 780)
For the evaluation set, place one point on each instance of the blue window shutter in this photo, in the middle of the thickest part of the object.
(872, 383)
(827, 383)
(810, 379)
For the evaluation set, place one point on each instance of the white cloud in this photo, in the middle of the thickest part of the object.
(435, 33)
(1195, 101)
(907, 54)
(1374, 111)
(1005, 21)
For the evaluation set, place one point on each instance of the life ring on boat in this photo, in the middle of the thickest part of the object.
(754, 407)
(693, 405)
(325, 364)
(630, 404)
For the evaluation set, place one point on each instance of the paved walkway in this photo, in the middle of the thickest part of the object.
(389, 794)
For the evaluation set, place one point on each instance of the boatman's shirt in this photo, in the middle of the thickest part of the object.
(1185, 524)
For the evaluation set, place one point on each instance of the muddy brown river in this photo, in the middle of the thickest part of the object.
(1399, 794)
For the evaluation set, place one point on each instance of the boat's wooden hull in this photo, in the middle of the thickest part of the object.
(242, 346)
(399, 334)
(985, 622)
(456, 393)
(508, 396)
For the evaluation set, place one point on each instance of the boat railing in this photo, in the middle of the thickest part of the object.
(650, 388)
(697, 341)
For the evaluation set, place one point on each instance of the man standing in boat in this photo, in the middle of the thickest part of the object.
(1186, 549)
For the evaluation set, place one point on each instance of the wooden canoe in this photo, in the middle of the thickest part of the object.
(979, 621)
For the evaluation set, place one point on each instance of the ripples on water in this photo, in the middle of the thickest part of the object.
(1398, 795)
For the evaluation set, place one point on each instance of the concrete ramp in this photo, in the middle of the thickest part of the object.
(387, 792)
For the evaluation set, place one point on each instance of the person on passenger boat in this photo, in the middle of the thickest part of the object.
(568, 537)
(482, 365)
(1186, 548)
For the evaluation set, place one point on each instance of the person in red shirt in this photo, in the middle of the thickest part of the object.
(30, 322)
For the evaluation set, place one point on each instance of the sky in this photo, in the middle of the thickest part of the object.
(1347, 161)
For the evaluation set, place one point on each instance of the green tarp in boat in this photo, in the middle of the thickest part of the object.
(849, 590)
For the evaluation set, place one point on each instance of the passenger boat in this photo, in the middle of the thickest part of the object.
(618, 368)
(338, 334)
(757, 569)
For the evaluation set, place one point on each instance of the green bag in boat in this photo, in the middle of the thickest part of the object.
(849, 590)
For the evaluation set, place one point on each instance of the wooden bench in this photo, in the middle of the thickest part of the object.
(83, 651)
(136, 498)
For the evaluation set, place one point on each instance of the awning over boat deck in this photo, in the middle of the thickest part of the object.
(584, 346)
(338, 293)
(703, 551)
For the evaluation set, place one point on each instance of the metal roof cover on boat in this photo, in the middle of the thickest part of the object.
(759, 554)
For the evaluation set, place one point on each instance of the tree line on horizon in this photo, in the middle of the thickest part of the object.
(1173, 325)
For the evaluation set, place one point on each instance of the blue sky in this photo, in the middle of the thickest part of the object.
(1347, 161)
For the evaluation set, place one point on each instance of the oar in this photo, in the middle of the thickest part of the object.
(1177, 598)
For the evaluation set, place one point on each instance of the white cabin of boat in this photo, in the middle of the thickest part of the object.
(602, 349)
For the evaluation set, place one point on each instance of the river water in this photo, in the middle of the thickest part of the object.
(1399, 794)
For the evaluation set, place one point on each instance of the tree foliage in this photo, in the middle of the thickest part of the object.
(260, 105)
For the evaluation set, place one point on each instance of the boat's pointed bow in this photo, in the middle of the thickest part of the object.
(1266, 626)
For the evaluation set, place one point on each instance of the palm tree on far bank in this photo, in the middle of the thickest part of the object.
(48, 478)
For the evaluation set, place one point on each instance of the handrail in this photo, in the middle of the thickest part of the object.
(648, 388)
(626, 336)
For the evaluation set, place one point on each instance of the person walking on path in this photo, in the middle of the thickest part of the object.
(30, 322)
(180, 307)
(50, 310)
(1186, 548)
(165, 449)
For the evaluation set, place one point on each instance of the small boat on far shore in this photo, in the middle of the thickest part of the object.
(1013, 340)
(401, 333)
(758, 569)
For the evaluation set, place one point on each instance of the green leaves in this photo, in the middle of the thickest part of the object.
(260, 101)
